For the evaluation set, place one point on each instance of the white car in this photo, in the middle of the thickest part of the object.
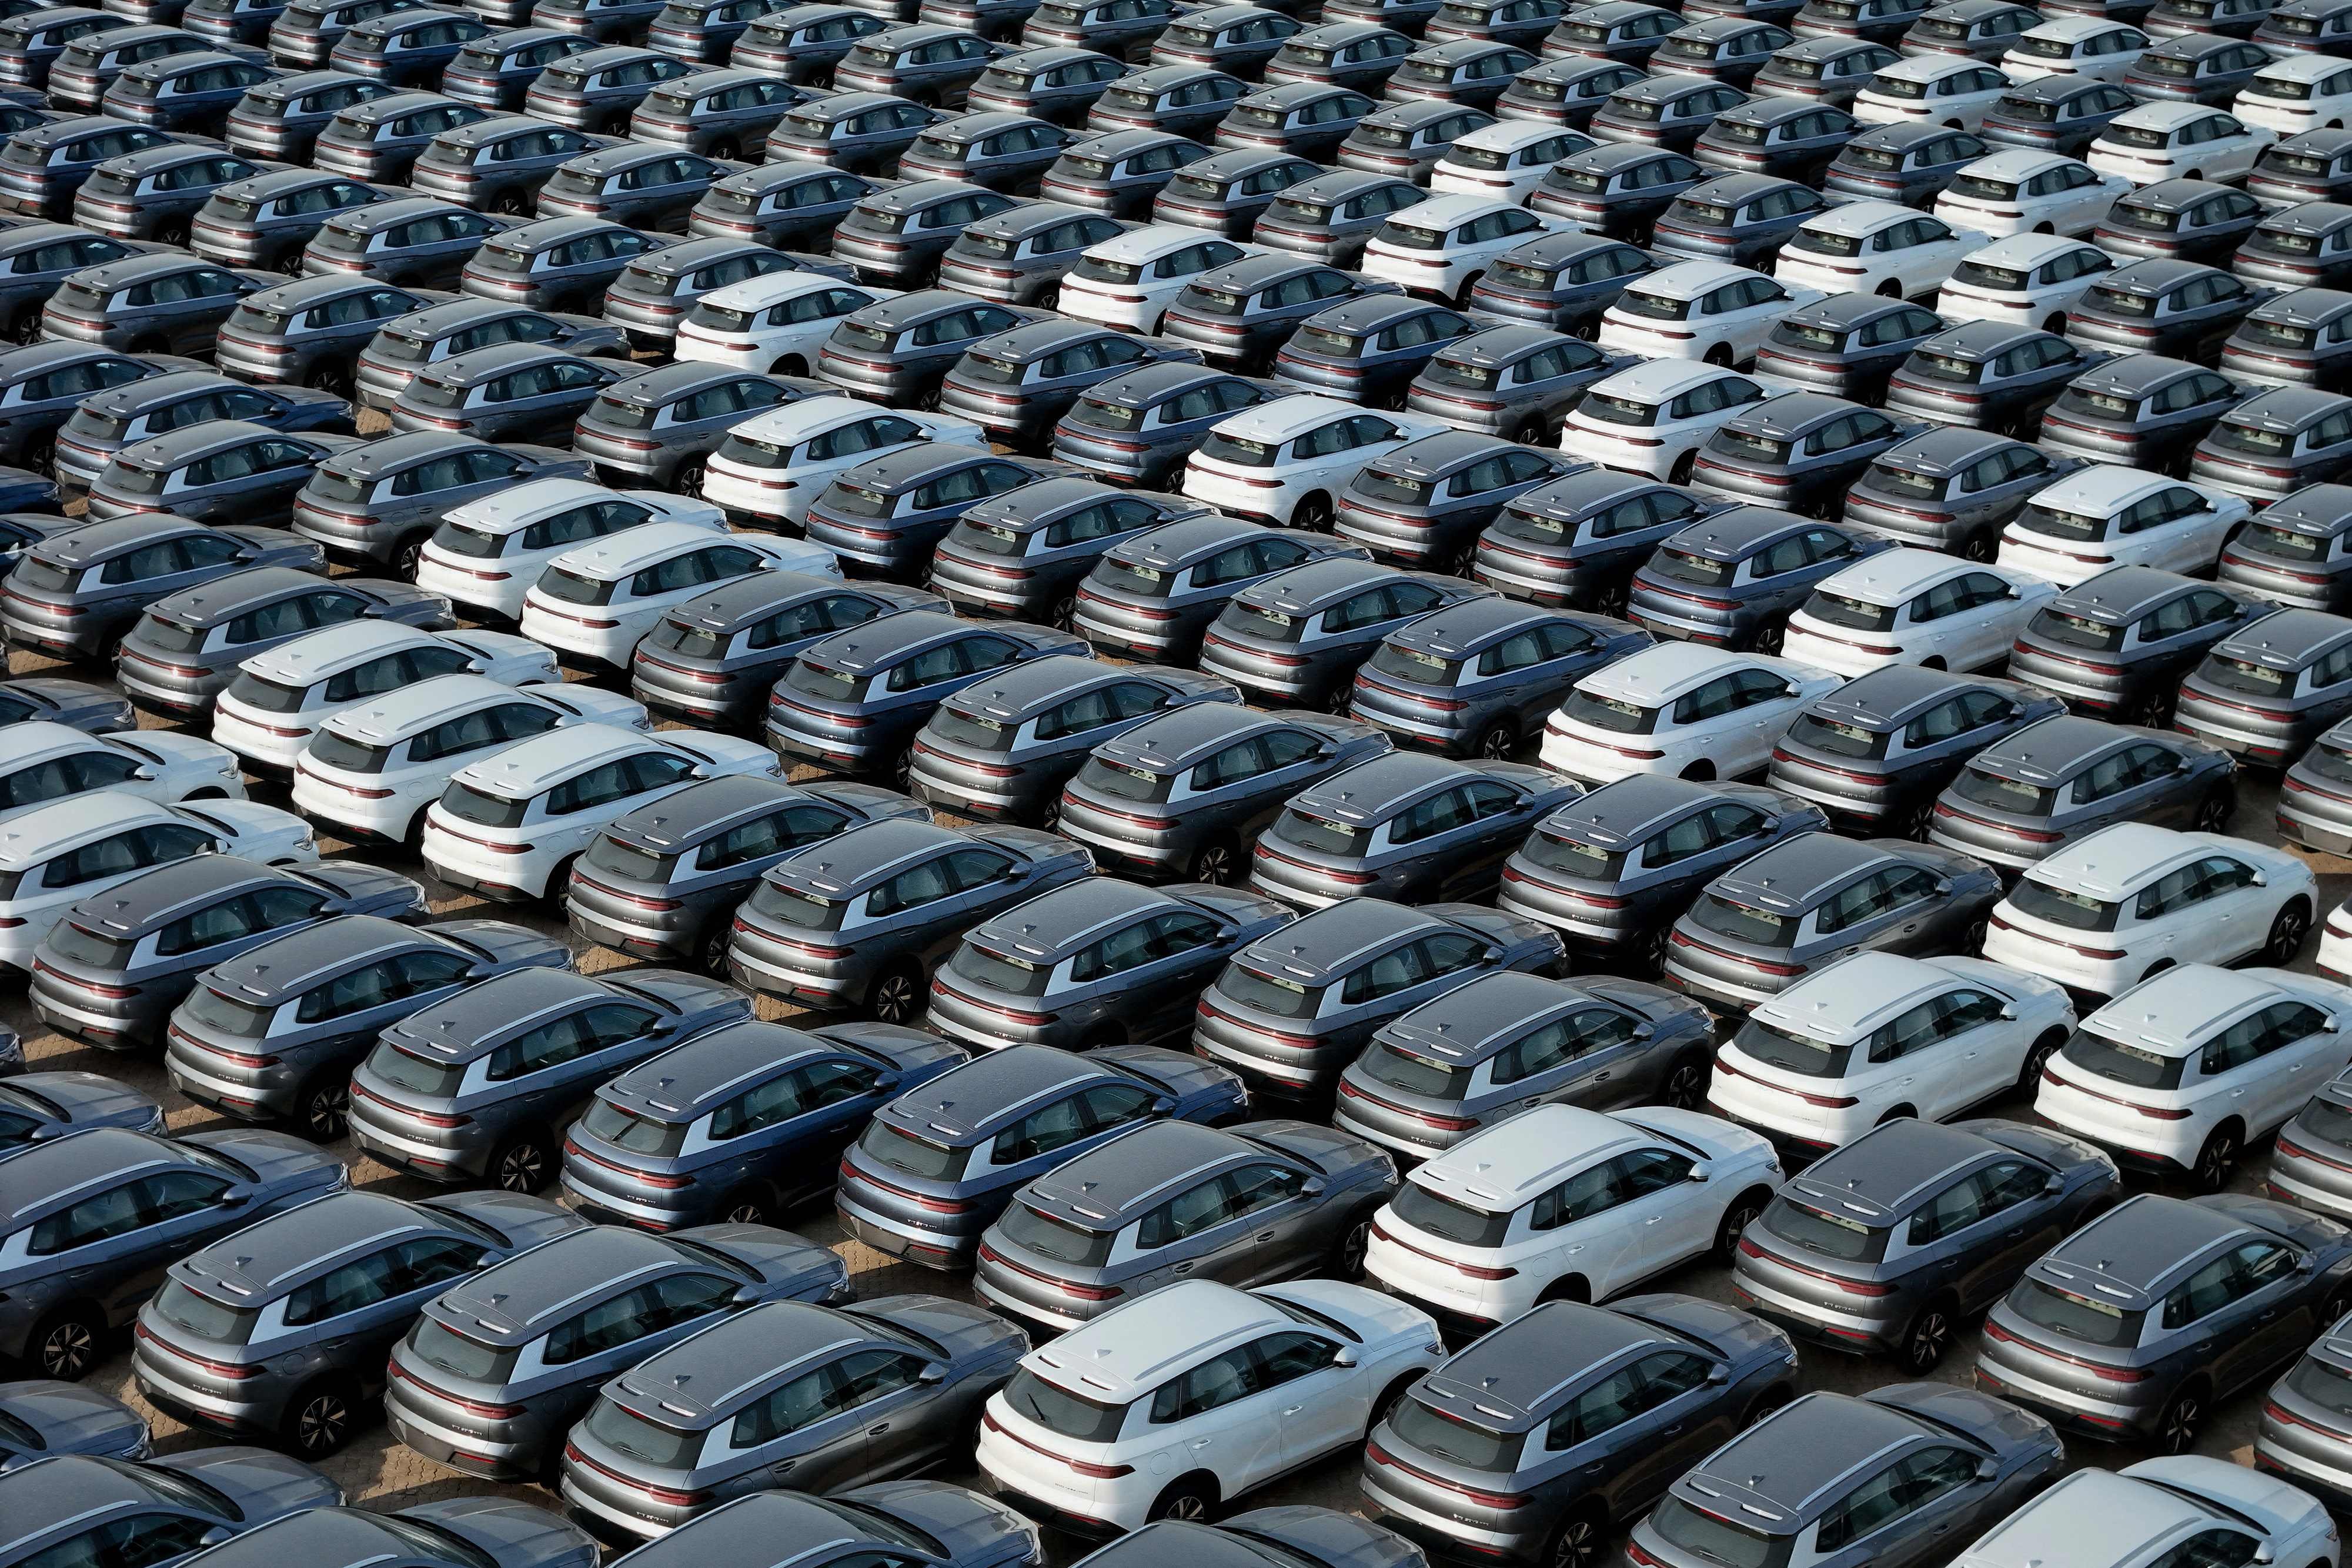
(776, 322)
(1875, 247)
(1506, 160)
(279, 699)
(41, 762)
(1931, 90)
(2029, 279)
(2105, 516)
(486, 554)
(771, 467)
(54, 857)
(1707, 311)
(1444, 244)
(594, 602)
(1179, 1402)
(2178, 140)
(1562, 1203)
(2169, 1513)
(2118, 905)
(1682, 708)
(2184, 1071)
(2298, 93)
(510, 824)
(1912, 606)
(2335, 944)
(370, 771)
(1653, 418)
(1880, 1035)
(1129, 281)
(2017, 191)
(1285, 460)
(2091, 48)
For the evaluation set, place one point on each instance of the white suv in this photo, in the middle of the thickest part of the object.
(777, 322)
(370, 770)
(1880, 1035)
(279, 699)
(1283, 461)
(1707, 311)
(486, 553)
(1130, 280)
(2182, 1073)
(1562, 1203)
(41, 762)
(2117, 906)
(1175, 1404)
(510, 824)
(1444, 244)
(595, 603)
(1912, 606)
(1652, 418)
(773, 465)
(1682, 708)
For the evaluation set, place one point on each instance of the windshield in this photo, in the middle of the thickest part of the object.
(1425, 1210)
(1816, 1230)
(2074, 1317)
(2120, 1063)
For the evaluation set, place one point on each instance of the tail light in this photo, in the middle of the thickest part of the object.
(229, 1370)
(1083, 1467)
(1472, 1271)
(1500, 1501)
(668, 1495)
(470, 1406)
(936, 1205)
(1851, 1287)
(2001, 1335)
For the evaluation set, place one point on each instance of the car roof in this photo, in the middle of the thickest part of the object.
(1788, 875)
(1127, 1352)
(2287, 639)
(1875, 1177)
(2050, 749)
(1807, 1447)
(2016, 163)
(968, 1101)
(2171, 1013)
(2121, 593)
(247, 1267)
(2101, 490)
(1660, 380)
(1858, 218)
(1508, 1163)
(159, 893)
(1892, 577)
(633, 549)
(1662, 672)
(401, 713)
(1110, 1185)
(1848, 998)
(527, 767)
(2093, 1515)
(49, 829)
(1321, 944)
(689, 1080)
(308, 658)
(2141, 1241)
(46, 1172)
(1689, 279)
(1047, 929)
(1506, 1380)
(508, 1302)
(284, 965)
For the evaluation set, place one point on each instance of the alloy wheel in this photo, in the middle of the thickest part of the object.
(523, 1168)
(1578, 1545)
(67, 1349)
(1930, 1337)
(895, 998)
(324, 1421)
(327, 1112)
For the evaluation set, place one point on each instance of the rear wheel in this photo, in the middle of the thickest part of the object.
(751, 1205)
(898, 994)
(1770, 637)
(1313, 513)
(2216, 1162)
(323, 1110)
(1580, 1540)
(1721, 355)
(688, 480)
(2183, 1420)
(1217, 863)
(1499, 741)
(1681, 473)
(26, 328)
(319, 1421)
(710, 947)
(1192, 1500)
(525, 1162)
(66, 1344)
(1891, 289)
(1928, 1338)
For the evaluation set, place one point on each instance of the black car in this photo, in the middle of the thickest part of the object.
(1358, 55)
(2056, 114)
(1242, 313)
(556, 264)
(1426, 502)
(1875, 753)
(1826, 70)
(2145, 411)
(1783, 138)
(1975, 29)
(1848, 345)
(1332, 216)
(108, 420)
(1987, 375)
(656, 429)
(2294, 552)
(885, 516)
(1951, 488)
(1912, 164)
(2316, 166)
(282, 118)
(1121, 173)
(1617, 190)
(43, 166)
(2181, 220)
(2309, 26)
(31, 42)
(600, 89)
(1625, 30)
(1055, 83)
(1881, 21)
(2308, 246)
(1664, 111)
(1734, 218)
(2181, 308)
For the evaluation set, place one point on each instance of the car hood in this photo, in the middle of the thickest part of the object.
(514, 1534)
(961, 1520)
(74, 1419)
(264, 1485)
(280, 1162)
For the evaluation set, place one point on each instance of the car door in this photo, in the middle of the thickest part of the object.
(2239, 1305)
(2298, 1052)
(1675, 1417)
(353, 1312)
(1668, 1216)
(114, 1246)
(900, 1419)
(1319, 1403)
(1585, 1057)
(1223, 1416)
(1274, 1211)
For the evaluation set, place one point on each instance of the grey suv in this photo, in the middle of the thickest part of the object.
(498, 1366)
(1155, 595)
(1247, 1205)
(282, 1330)
(2054, 781)
(1892, 1243)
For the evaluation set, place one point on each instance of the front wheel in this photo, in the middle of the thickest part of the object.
(1744, 1212)
(2284, 944)
(1348, 1253)
(2214, 812)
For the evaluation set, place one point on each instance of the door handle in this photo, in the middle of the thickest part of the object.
(1183, 1267)
(1199, 1443)
(1293, 1409)
(1603, 1075)
(1654, 1219)
(878, 1429)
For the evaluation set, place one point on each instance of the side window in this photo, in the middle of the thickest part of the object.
(1219, 1381)
(1608, 1404)
(1869, 1506)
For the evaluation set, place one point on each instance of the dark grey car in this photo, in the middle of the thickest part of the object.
(39, 1108)
(1292, 1010)
(1155, 596)
(377, 503)
(456, 1532)
(739, 1125)
(1017, 385)
(1241, 314)
(438, 333)
(1875, 753)
(656, 429)
(336, 984)
(653, 293)
(1518, 382)
(185, 650)
(1179, 796)
(1058, 528)
(48, 1419)
(1002, 150)
(2315, 813)
(1578, 541)
(1298, 638)
(93, 709)
(938, 1165)
(39, 256)
(512, 393)
(2134, 1326)
(2295, 551)
(1247, 1206)
(721, 114)
(2054, 781)
(215, 471)
(2119, 646)
(1561, 1427)
(1332, 216)
(898, 350)
(381, 137)
(1805, 903)
(857, 132)
(824, 1399)
(1095, 963)
(111, 972)
(2303, 336)
(422, 241)
(713, 661)
(1141, 425)
(1848, 345)
(480, 1090)
(1055, 82)
(1951, 488)
(859, 922)
(162, 302)
(923, 1524)
(791, 204)
(1479, 678)
(1565, 281)
(1889, 1245)
(306, 335)
(1004, 748)
(101, 1215)
(1948, 1462)
(282, 119)
(1484, 1052)
(1426, 503)
(497, 1367)
(283, 1330)
(1734, 577)
(158, 1511)
(1988, 375)
(2268, 690)
(2276, 442)
(74, 596)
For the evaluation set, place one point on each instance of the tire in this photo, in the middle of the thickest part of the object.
(1890, 289)
(1062, 615)
(1773, 1398)
(751, 1204)
(408, 556)
(1654, 947)
(1916, 817)
(524, 1162)
(1529, 431)
(25, 330)
(1347, 1261)
(1680, 474)
(689, 479)
(1579, 1540)
(725, 150)
(2037, 1057)
(331, 378)
(902, 771)
(2154, 711)
(1193, 1499)
(320, 1419)
(1469, 287)
(1498, 742)
(2177, 1429)
(2289, 931)
(1569, 1288)
(511, 204)
(41, 456)
(1973, 940)
(1743, 1212)
(790, 365)
(2214, 811)
(2216, 1162)
(559, 881)
(1313, 513)
(323, 1111)
(897, 996)
(1928, 1338)
(1771, 637)
(2194, 174)
(710, 947)
(1217, 863)
(1050, 298)
(1720, 355)
(1684, 1084)
(66, 1344)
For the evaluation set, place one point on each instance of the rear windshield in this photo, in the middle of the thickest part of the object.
(1308, 831)
(2075, 631)
(1425, 1210)
(202, 1316)
(1835, 739)
(2328, 1387)
(998, 973)
(1059, 1410)
(2126, 1064)
(1559, 852)
(2003, 794)
(481, 808)
(1055, 1239)
(903, 1151)
(337, 750)
(1124, 783)
(226, 1015)
(1270, 994)
(1610, 713)
(803, 911)
(83, 945)
(1837, 1236)
(2062, 906)
(436, 1344)
(1743, 923)
(666, 1448)
(1449, 1437)
(1385, 1063)
(1844, 609)
(435, 1080)
(2267, 537)
(1792, 1053)
(1904, 482)
(628, 861)
(1718, 1540)
(2246, 676)
(2076, 1317)
(626, 1130)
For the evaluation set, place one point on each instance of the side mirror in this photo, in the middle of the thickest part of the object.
(1343, 1356)
(889, 1082)
(2008, 1014)
(1313, 1187)
(1163, 1105)
(2262, 1552)
(1698, 1172)
(216, 1535)
(2054, 1184)
(237, 1196)
(1644, 1031)
(1988, 1470)
(2332, 1024)
(1718, 1373)
(2306, 1264)
(747, 1296)
(933, 1372)
(2260, 881)
(1494, 954)
(143, 773)
(1943, 885)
